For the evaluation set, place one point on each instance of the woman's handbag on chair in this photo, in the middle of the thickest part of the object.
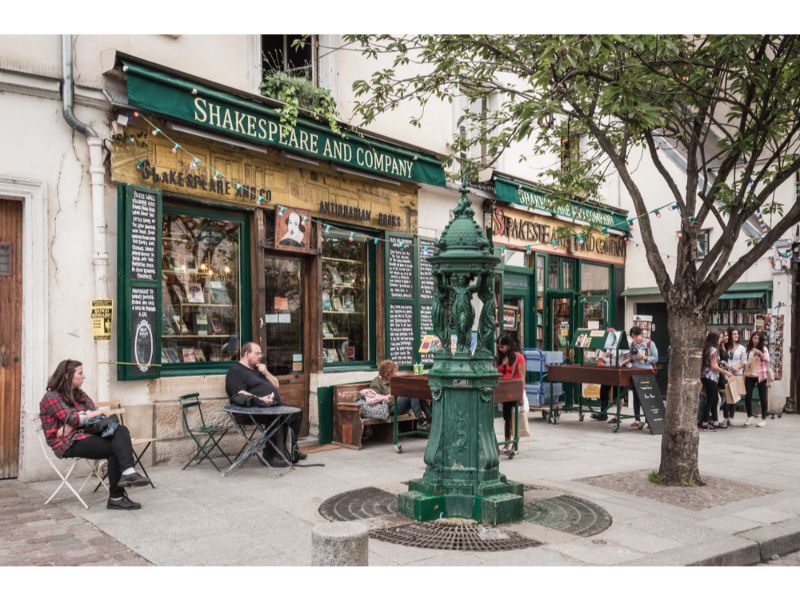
(101, 425)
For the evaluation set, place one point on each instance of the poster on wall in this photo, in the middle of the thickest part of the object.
(293, 229)
(102, 316)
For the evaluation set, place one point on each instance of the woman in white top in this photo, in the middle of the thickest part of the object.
(736, 357)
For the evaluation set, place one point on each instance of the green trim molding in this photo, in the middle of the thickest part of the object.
(747, 289)
(516, 192)
(171, 96)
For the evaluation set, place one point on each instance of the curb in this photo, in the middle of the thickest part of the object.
(778, 538)
(747, 548)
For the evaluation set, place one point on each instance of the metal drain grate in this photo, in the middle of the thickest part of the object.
(568, 514)
(445, 534)
(364, 503)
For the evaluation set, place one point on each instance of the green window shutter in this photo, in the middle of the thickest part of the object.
(139, 283)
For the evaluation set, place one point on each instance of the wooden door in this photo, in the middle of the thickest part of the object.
(10, 334)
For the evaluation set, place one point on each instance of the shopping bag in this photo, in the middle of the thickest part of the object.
(524, 428)
(734, 390)
(752, 367)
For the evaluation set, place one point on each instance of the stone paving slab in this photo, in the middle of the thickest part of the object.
(716, 491)
(32, 534)
(257, 519)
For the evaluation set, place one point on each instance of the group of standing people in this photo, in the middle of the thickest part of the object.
(723, 358)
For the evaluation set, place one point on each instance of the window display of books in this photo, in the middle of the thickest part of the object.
(344, 296)
(200, 289)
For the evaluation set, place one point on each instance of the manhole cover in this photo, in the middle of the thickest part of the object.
(364, 503)
(453, 534)
(568, 514)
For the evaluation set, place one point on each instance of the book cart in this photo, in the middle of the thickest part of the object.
(591, 345)
(543, 395)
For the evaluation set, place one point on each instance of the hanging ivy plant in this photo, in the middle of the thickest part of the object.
(298, 93)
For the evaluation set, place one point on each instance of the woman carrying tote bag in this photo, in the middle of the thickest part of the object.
(756, 373)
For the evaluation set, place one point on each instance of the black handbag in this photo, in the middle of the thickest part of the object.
(101, 425)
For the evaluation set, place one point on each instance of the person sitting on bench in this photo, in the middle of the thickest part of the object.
(382, 385)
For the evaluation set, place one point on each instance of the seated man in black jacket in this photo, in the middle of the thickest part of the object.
(250, 377)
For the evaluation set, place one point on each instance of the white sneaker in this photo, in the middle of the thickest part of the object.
(749, 422)
(762, 423)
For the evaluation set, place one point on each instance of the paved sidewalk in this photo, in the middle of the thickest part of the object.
(197, 517)
(34, 534)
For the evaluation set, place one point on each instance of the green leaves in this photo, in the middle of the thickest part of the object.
(298, 93)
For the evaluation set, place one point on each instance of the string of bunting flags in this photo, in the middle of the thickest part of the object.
(352, 236)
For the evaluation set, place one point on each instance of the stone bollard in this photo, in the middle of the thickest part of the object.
(340, 544)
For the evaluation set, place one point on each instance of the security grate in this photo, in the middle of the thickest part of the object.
(568, 514)
(364, 503)
(453, 534)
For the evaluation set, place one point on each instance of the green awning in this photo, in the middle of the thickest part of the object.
(516, 192)
(746, 289)
(238, 116)
(742, 295)
(642, 291)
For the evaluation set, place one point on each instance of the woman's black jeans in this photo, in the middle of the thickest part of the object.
(749, 384)
(709, 412)
(118, 450)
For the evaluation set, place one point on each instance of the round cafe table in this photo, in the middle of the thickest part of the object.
(262, 433)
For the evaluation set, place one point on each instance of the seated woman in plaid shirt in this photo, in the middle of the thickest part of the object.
(63, 410)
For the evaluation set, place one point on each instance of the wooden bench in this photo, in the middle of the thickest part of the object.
(348, 424)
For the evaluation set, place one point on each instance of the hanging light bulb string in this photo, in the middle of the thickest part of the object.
(578, 236)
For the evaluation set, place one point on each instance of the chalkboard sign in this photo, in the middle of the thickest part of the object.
(143, 329)
(401, 333)
(143, 228)
(652, 402)
(401, 268)
(139, 325)
(426, 283)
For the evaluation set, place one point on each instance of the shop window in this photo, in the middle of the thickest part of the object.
(279, 53)
(345, 293)
(200, 320)
(594, 280)
(552, 274)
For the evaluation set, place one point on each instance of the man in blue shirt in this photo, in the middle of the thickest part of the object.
(643, 355)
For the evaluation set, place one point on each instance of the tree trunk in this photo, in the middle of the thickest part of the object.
(680, 441)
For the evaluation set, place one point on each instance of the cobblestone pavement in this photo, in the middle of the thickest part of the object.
(34, 534)
(716, 491)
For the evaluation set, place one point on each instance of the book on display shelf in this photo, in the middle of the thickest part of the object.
(180, 327)
(172, 354)
(194, 293)
(216, 325)
(188, 355)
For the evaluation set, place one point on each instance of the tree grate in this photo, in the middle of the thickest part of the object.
(568, 514)
(363, 503)
(463, 536)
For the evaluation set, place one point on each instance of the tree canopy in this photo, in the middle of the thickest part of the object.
(729, 104)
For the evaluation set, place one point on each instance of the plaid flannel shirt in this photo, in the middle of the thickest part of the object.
(54, 411)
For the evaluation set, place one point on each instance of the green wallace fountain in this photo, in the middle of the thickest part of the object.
(462, 475)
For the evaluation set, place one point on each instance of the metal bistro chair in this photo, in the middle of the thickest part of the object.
(135, 441)
(54, 461)
(206, 437)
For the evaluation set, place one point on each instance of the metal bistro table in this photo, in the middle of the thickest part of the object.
(254, 445)
(416, 386)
